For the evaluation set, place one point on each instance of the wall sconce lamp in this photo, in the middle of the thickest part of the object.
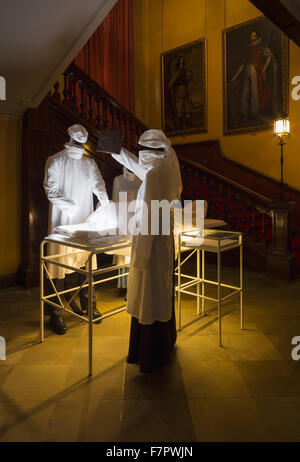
(281, 130)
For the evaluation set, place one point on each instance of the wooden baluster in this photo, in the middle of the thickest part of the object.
(227, 204)
(66, 95)
(259, 229)
(73, 92)
(112, 115)
(91, 119)
(214, 198)
(221, 201)
(236, 216)
(194, 185)
(119, 119)
(70, 77)
(197, 186)
(184, 180)
(253, 222)
(264, 227)
(250, 220)
(138, 132)
(132, 136)
(125, 138)
(244, 220)
(82, 103)
(98, 116)
(56, 94)
(205, 194)
(190, 185)
(105, 119)
(248, 217)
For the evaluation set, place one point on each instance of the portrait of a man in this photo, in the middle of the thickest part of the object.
(184, 89)
(255, 76)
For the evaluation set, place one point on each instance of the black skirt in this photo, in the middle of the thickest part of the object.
(151, 345)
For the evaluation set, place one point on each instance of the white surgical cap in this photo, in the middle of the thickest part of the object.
(78, 133)
(154, 139)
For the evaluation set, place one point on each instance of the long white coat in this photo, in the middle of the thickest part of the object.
(128, 183)
(150, 285)
(70, 180)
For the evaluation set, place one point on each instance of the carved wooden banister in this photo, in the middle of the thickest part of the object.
(266, 224)
(259, 197)
(96, 107)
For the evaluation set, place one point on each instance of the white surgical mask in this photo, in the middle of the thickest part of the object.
(76, 152)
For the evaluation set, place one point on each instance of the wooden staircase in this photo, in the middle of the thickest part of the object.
(270, 228)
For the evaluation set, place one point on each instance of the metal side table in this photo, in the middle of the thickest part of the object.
(215, 241)
(89, 273)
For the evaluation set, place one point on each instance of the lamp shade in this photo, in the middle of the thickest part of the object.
(282, 127)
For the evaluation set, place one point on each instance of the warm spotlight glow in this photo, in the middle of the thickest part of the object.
(282, 127)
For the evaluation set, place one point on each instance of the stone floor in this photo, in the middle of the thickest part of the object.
(249, 390)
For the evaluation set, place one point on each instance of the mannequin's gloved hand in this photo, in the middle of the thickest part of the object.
(103, 198)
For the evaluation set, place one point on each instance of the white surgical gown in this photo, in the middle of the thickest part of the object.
(71, 178)
(150, 285)
(127, 183)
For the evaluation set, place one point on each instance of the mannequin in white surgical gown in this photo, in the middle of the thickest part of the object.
(127, 183)
(71, 179)
(150, 296)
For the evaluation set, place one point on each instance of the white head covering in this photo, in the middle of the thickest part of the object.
(156, 139)
(78, 133)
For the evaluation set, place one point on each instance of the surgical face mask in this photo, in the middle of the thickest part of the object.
(147, 157)
(74, 150)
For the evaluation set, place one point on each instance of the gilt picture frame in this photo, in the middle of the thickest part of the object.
(255, 76)
(184, 89)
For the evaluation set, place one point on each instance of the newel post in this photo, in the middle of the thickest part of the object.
(281, 262)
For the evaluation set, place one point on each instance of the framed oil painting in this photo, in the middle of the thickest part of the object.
(184, 89)
(255, 76)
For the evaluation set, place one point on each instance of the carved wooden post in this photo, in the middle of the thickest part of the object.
(125, 139)
(119, 119)
(112, 116)
(82, 104)
(105, 119)
(90, 106)
(281, 262)
(73, 81)
(66, 99)
(56, 94)
(98, 116)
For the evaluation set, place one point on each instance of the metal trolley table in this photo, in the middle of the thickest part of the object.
(91, 250)
(215, 241)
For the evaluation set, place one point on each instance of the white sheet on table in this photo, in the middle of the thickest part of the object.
(89, 233)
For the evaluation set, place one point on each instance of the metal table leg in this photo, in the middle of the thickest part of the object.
(42, 334)
(198, 284)
(241, 284)
(90, 312)
(219, 297)
(203, 283)
(179, 283)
